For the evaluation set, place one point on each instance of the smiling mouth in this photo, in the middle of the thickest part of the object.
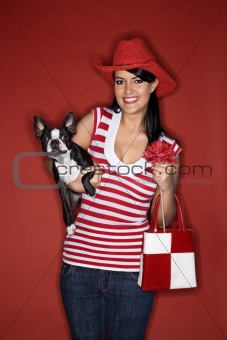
(130, 100)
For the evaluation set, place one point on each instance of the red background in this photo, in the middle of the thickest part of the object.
(48, 50)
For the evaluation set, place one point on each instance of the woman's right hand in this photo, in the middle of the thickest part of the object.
(96, 179)
(77, 185)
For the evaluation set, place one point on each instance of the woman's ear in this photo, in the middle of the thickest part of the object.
(154, 84)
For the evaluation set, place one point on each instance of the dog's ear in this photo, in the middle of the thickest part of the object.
(69, 123)
(40, 126)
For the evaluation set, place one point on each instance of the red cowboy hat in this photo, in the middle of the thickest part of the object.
(134, 53)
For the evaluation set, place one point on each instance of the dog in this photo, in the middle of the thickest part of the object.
(69, 159)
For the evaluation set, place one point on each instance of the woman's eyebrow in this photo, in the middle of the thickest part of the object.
(124, 78)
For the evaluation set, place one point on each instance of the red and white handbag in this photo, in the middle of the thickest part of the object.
(168, 259)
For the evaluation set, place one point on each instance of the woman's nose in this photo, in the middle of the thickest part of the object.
(128, 88)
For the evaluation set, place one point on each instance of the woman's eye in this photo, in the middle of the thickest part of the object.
(138, 81)
(119, 82)
(134, 81)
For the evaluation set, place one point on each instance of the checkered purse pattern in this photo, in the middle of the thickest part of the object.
(168, 259)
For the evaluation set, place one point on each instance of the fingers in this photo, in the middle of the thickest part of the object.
(96, 167)
(165, 169)
(163, 174)
(159, 170)
(159, 174)
(98, 171)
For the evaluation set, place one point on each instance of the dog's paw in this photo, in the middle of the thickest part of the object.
(71, 229)
(91, 191)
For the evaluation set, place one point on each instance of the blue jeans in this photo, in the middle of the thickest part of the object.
(97, 300)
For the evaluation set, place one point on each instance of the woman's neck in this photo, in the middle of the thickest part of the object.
(133, 122)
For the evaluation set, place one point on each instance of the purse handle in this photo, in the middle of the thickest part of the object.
(154, 217)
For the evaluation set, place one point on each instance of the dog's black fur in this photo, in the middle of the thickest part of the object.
(67, 156)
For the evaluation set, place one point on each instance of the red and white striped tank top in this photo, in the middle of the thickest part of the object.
(110, 225)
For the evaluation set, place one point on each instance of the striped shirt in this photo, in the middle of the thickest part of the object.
(110, 225)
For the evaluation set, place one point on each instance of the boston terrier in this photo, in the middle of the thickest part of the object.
(69, 160)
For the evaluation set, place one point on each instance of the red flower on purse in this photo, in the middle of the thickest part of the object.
(160, 152)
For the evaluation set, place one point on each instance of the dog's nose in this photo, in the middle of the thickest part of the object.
(54, 144)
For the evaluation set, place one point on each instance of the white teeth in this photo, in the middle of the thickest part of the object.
(130, 99)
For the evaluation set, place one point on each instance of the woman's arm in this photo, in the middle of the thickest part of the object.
(166, 177)
(82, 137)
(84, 129)
(49, 165)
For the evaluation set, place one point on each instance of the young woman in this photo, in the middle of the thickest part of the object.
(101, 260)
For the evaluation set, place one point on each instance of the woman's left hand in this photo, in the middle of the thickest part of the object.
(166, 175)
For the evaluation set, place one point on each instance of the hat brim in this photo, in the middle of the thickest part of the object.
(166, 83)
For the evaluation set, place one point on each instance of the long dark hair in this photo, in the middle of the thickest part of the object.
(151, 122)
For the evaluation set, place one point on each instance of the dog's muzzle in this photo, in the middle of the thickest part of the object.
(55, 145)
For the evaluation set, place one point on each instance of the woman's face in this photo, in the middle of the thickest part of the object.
(132, 93)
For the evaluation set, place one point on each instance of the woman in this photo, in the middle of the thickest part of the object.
(101, 260)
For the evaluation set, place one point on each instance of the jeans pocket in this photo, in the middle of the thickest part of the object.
(133, 275)
(66, 269)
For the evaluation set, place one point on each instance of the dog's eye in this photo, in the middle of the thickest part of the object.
(64, 138)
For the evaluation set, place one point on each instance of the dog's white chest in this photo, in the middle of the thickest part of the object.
(69, 171)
